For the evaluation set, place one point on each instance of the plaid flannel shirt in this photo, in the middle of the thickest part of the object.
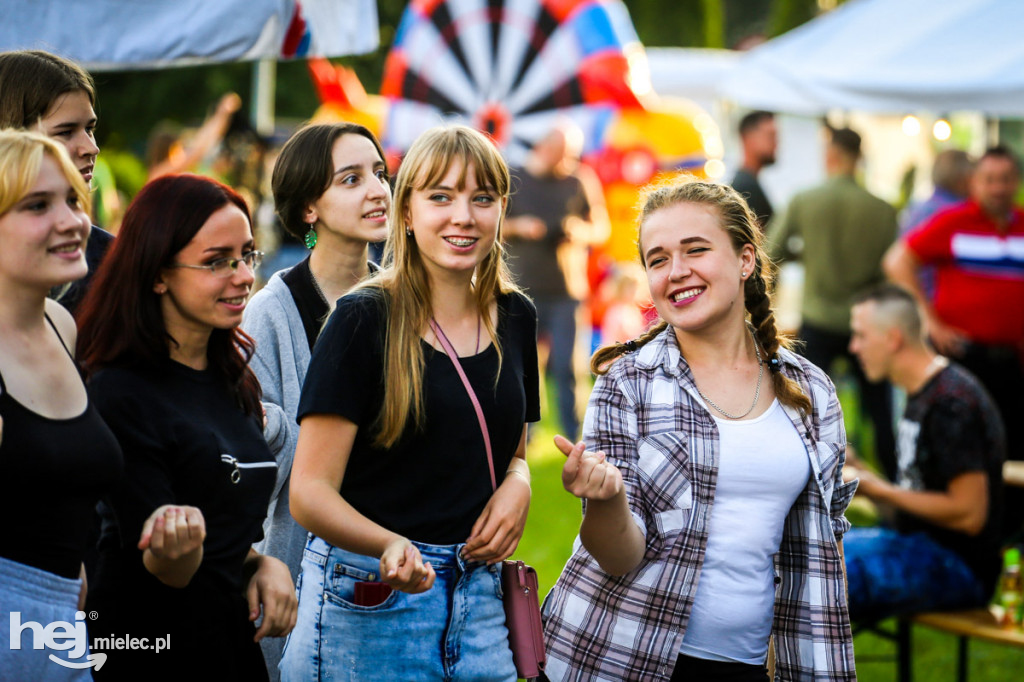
(647, 416)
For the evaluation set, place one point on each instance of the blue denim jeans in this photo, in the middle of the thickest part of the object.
(889, 574)
(556, 322)
(454, 632)
(36, 596)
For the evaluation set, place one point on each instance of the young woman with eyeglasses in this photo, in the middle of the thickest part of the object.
(56, 454)
(168, 369)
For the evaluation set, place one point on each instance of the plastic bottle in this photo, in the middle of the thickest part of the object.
(1011, 589)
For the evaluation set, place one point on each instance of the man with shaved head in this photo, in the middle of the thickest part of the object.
(943, 549)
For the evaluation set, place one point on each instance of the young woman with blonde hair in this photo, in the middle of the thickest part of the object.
(391, 475)
(57, 455)
(710, 477)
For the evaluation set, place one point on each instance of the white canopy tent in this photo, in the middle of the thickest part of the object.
(113, 34)
(892, 56)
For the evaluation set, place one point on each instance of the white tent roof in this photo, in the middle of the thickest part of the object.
(893, 56)
(114, 34)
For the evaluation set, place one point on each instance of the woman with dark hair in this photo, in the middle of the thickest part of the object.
(168, 369)
(52, 95)
(711, 477)
(56, 454)
(330, 188)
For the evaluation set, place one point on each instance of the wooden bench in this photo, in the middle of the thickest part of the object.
(965, 625)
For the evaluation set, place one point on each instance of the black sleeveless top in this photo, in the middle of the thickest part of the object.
(54, 472)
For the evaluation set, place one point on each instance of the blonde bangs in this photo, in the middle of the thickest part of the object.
(21, 159)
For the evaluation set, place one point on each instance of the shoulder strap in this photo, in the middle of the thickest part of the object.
(59, 338)
(450, 352)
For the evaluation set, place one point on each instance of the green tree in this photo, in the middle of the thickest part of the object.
(691, 23)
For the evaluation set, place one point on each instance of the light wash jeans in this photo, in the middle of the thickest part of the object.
(453, 632)
(37, 596)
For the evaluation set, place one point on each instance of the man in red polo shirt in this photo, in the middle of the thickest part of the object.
(977, 315)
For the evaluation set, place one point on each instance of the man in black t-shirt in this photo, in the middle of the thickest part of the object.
(555, 213)
(944, 549)
(760, 139)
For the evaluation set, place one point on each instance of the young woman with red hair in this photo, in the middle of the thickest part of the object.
(168, 369)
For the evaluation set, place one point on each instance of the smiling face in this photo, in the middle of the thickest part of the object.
(195, 302)
(72, 122)
(694, 272)
(355, 204)
(45, 232)
(454, 221)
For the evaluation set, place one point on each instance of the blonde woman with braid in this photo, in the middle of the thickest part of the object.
(401, 574)
(710, 474)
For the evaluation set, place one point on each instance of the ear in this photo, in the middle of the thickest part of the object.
(747, 259)
(895, 338)
(310, 216)
(159, 287)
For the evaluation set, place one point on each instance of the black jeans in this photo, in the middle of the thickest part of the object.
(689, 669)
(999, 370)
(823, 348)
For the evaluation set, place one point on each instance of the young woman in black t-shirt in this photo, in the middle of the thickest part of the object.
(56, 455)
(391, 474)
(169, 372)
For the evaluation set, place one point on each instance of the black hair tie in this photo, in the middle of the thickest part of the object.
(774, 364)
(630, 345)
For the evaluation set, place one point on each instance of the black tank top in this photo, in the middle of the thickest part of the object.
(53, 474)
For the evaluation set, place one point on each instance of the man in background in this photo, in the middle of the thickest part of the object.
(840, 232)
(759, 138)
(555, 213)
(943, 549)
(977, 313)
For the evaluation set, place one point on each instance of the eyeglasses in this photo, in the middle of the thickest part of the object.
(225, 267)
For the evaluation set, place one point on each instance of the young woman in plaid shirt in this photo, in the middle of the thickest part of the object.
(710, 474)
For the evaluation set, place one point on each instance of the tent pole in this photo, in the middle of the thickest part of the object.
(992, 131)
(264, 80)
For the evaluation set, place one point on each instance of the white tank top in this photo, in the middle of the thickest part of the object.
(763, 467)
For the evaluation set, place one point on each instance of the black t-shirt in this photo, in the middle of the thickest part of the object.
(433, 484)
(951, 427)
(186, 441)
(54, 472)
(312, 307)
(552, 199)
(747, 184)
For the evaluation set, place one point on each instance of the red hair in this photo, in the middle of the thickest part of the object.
(120, 319)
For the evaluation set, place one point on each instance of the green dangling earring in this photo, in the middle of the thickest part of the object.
(310, 238)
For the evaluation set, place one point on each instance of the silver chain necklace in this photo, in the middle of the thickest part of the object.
(757, 391)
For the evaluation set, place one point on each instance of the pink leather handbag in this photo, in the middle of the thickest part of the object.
(518, 581)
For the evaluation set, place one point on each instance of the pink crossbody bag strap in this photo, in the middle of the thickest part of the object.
(450, 352)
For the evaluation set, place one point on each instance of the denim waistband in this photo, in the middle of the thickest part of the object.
(35, 583)
(439, 556)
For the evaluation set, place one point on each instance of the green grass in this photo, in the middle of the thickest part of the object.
(554, 522)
